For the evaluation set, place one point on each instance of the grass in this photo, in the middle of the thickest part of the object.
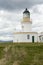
(21, 54)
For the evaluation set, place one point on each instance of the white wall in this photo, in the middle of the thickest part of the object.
(23, 37)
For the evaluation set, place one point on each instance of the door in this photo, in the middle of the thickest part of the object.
(32, 39)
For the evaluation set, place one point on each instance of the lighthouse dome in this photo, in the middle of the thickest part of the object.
(26, 11)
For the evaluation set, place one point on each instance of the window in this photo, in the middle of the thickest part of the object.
(28, 36)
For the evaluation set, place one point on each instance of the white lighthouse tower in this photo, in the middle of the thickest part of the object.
(26, 22)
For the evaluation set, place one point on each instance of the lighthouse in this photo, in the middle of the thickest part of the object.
(26, 34)
(26, 21)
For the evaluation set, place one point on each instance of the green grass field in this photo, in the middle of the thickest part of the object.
(21, 53)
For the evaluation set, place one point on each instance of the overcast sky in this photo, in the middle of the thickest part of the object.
(11, 12)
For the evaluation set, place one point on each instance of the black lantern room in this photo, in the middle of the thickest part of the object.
(26, 13)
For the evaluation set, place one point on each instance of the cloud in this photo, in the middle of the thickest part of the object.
(9, 22)
(37, 17)
(18, 4)
(6, 38)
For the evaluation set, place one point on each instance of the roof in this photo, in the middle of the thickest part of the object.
(25, 33)
(26, 11)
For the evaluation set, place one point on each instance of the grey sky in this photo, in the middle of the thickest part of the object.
(18, 4)
(10, 20)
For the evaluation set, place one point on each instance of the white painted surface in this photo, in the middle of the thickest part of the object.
(23, 37)
(26, 27)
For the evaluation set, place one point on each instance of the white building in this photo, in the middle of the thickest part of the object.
(40, 37)
(26, 35)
